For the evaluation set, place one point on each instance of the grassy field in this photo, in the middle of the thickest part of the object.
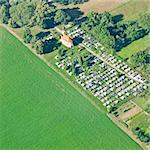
(135, 47)
(40, 110)
(142, 101)
(132, 8)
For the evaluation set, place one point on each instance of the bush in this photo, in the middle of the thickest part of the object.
(140, 133)
(27, 37)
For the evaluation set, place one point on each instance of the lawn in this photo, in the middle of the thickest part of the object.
(142, 101)
(135, 47)
(132, 9)
(40, 110)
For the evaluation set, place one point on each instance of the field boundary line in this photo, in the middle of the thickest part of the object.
(122, 5)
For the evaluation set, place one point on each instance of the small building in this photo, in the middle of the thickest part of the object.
(66, 40)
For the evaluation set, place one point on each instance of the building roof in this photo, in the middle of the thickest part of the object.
(66, 38)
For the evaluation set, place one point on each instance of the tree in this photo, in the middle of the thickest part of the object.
(12, 23)
(61, 17)
(34, 40)
(4, 14)
(27, 37)
(134, 31)
(22, 13)
(39, 46)
(115, 35)
(4, 2)
(141, 135)
(144, 21)
(140, 58)
(43, 12)
(47, 23)
(98, 19)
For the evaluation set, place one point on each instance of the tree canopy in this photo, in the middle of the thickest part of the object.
(22, 13)
(27, 37)
(61, 17)
(113, 33)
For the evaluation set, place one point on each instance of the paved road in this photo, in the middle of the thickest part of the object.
(105, 61)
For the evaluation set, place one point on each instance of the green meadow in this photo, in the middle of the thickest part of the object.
(135, 47)
(39, 110)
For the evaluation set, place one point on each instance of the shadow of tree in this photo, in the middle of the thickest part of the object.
(77, 40)
(41, 35)
(48, 23)
(80, 20)
(117, 18)
(51, 45)
(74, 13)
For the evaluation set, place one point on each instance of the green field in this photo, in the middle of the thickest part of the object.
(40, 110)
(142, 101)
(135, 47)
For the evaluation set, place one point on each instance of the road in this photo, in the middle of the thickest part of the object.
(105, 61)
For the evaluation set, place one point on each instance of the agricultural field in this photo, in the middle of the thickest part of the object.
(97, 5)
(40, 110)
(101, 5)
(129, 8)
(135, 47)
(132, 9)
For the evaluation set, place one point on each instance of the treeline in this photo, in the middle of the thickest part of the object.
(112, 32)
(31, 12)
(66, 2)
(106, 28)
(42, 42)
(141, 60)
(140, 133)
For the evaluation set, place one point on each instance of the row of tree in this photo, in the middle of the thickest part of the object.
(36, 42)
(32, 12)
(141, 61)
(114, 33)
(109, 30)
(141, 58)
(40, 42)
